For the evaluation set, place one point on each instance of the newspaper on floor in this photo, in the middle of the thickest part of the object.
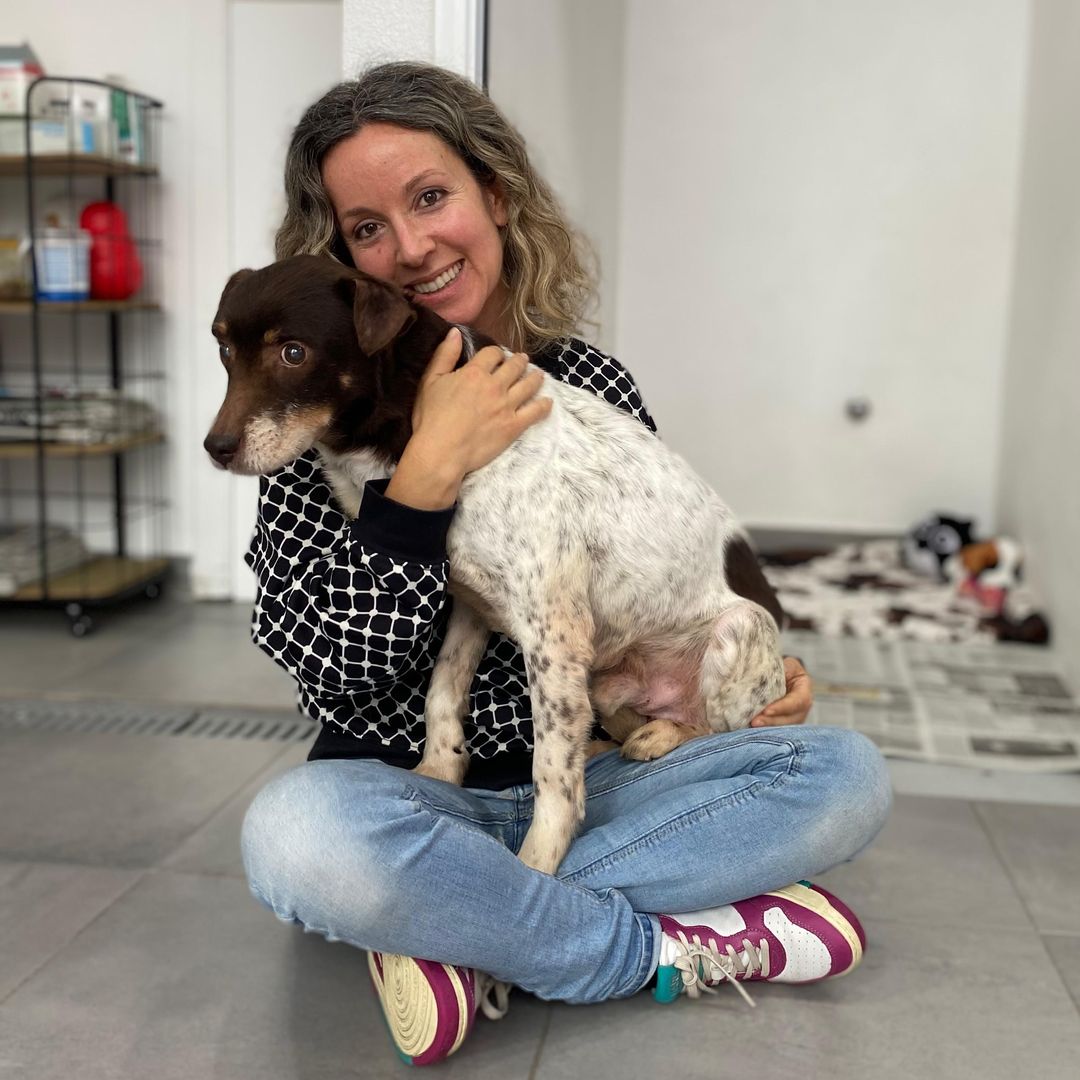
(992, 706)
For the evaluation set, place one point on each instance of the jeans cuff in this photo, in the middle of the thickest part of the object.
(650, 953)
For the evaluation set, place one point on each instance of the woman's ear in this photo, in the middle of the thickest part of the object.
(495, 194)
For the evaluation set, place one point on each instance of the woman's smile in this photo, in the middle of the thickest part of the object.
(437, 285)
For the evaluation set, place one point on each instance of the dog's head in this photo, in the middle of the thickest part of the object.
(307, 345)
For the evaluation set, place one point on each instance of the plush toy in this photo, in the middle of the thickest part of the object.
(986, 572)
(933, 541)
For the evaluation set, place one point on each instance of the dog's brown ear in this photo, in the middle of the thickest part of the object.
(380, 314)
(234, 280)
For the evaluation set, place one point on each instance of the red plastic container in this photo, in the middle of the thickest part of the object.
(115, 269)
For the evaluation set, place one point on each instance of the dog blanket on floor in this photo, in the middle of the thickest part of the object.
(864, 590)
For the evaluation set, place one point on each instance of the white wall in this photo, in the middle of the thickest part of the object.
(556, 71)
(1039, 491)
(817, 202)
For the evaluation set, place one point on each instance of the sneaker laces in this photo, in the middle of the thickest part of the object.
(703, 966)
(492, 996)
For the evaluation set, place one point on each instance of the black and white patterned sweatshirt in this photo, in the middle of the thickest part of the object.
(355, 610)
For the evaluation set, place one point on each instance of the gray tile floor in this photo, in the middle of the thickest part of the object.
(129, 946)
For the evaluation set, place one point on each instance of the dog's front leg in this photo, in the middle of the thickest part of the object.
(447, 703)
(558, 659)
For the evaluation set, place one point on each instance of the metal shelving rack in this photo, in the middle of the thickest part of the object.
(106, 489)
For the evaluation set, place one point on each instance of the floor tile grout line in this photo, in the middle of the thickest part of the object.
(266, 766)
(985, 825)
(1075, 995)
(540, 1045)
(141, 869)
(160, 867)
(211, 875)
(74, 937)
(1003, 863)
(286, 710)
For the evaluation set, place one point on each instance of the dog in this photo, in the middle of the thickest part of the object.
(624, 578)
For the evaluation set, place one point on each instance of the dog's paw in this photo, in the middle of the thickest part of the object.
(451, 770)
(655, 739)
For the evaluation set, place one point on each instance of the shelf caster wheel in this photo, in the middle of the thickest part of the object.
(153, 591)
(81, 626)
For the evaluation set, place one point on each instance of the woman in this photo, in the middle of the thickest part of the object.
(681, 875)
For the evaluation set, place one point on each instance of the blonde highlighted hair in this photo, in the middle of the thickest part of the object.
(547, 266)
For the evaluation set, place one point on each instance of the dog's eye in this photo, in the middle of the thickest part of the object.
(293, 353)
(224, 352)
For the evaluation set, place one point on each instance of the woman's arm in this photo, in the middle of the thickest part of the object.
(344, 605)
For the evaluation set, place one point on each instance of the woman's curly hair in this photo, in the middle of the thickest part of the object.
(547, 266)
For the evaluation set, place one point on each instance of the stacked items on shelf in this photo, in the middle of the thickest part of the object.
(65, 415)
(82, 116)
(75, 125)
(20, 554)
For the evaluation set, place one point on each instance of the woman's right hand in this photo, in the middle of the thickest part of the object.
(465, 418)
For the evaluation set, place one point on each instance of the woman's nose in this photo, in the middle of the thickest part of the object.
(414, 245)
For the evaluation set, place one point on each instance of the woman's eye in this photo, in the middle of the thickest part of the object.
(367, 230)
(430, 197)
(293, 353)
(224, 352)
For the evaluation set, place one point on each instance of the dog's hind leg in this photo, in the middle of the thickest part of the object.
(643, 738)
(611, 691)
(558, 651)
(742, 669)
(447, 703)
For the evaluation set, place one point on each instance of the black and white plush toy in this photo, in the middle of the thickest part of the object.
(930, 544)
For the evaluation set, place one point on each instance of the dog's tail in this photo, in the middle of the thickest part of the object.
(743, 573)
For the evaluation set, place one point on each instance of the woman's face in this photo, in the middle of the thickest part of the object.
(413, 214)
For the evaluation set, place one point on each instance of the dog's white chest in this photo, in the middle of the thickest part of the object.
(348, 473)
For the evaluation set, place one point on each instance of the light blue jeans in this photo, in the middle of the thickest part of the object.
(384, 859)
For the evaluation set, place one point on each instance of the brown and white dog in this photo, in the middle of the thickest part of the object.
(587, 541)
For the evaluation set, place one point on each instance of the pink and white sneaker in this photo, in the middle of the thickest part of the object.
(429, 1007)
(797, 934)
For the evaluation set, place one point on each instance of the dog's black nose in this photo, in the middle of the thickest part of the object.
(222, 448)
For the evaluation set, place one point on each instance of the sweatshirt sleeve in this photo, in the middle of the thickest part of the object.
(593, 370)
(344, 606)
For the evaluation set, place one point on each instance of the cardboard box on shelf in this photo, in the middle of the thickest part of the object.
(19, 67)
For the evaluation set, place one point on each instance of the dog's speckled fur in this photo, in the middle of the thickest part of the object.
(589, 542)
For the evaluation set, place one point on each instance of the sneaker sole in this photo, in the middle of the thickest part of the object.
(411, 1008)
(818, 903)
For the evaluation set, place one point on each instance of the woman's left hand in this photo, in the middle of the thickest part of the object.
(795, 704)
